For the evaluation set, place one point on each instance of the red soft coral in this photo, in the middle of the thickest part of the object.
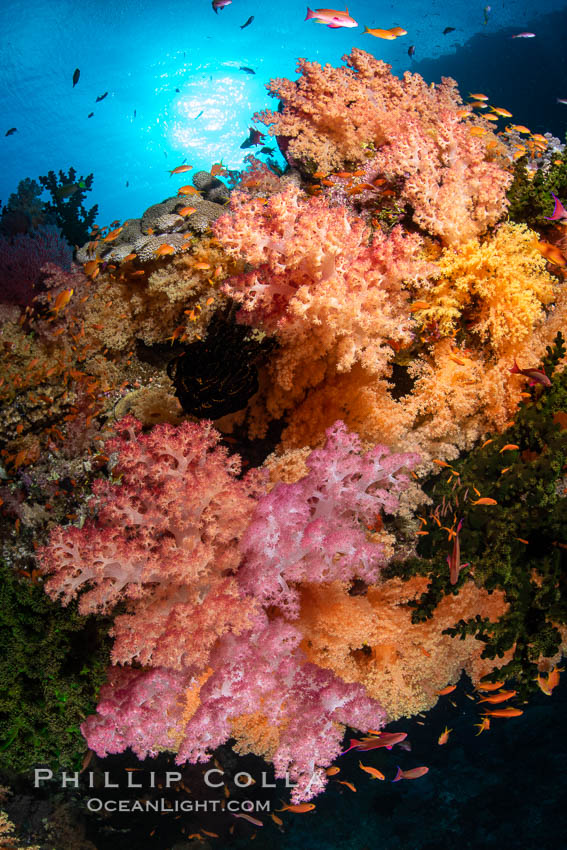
(165, 539)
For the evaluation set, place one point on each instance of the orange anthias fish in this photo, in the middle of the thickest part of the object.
(332, 771)
(551, 253)
(91, 269)
(504, 712)
(509, 447)
(483, 725)
(444, 736)
(371, 771)
(502, 112)
(414, 773)
(297, 808)
(388, 35)
(485, 501)
(332, 17)
(180, 169)
(448, 690)
(164, 249)
(489, 686)
(62, 300)
(479, 96)
(187, 190)
(348, 784)
(184, 211)
(547, 685)
(496, 698)
(113, 234)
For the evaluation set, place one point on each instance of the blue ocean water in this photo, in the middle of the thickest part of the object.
(163, 64)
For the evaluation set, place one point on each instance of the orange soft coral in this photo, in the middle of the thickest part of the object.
(499, 286)
(370, 639)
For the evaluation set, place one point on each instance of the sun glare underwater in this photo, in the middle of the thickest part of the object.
(283, 425)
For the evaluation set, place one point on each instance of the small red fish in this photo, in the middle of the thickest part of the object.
(244, 816)
(538, 376)
(385, 739)
(448, 690)
(559, 210)
(414, 773)
(455, 566)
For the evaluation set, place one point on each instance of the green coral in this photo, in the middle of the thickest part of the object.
(530, 198)
(531, 506)
(52, 665)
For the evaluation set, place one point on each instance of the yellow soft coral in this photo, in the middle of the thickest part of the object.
(499, 287)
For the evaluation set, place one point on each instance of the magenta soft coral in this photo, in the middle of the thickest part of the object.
(307, 705)
(263, 669)
(164, 540)
(138, 709)
(314, 530)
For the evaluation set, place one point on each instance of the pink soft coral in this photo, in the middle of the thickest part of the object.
(455, 193)
(164, 540)
(140, 709)
(314, 530)
(308, 706)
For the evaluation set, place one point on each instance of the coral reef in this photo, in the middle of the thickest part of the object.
(297, 439)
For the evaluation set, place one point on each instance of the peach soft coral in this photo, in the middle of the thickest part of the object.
(331, 293)
(335, 118)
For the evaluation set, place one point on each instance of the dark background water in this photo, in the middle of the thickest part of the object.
(502, 789)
